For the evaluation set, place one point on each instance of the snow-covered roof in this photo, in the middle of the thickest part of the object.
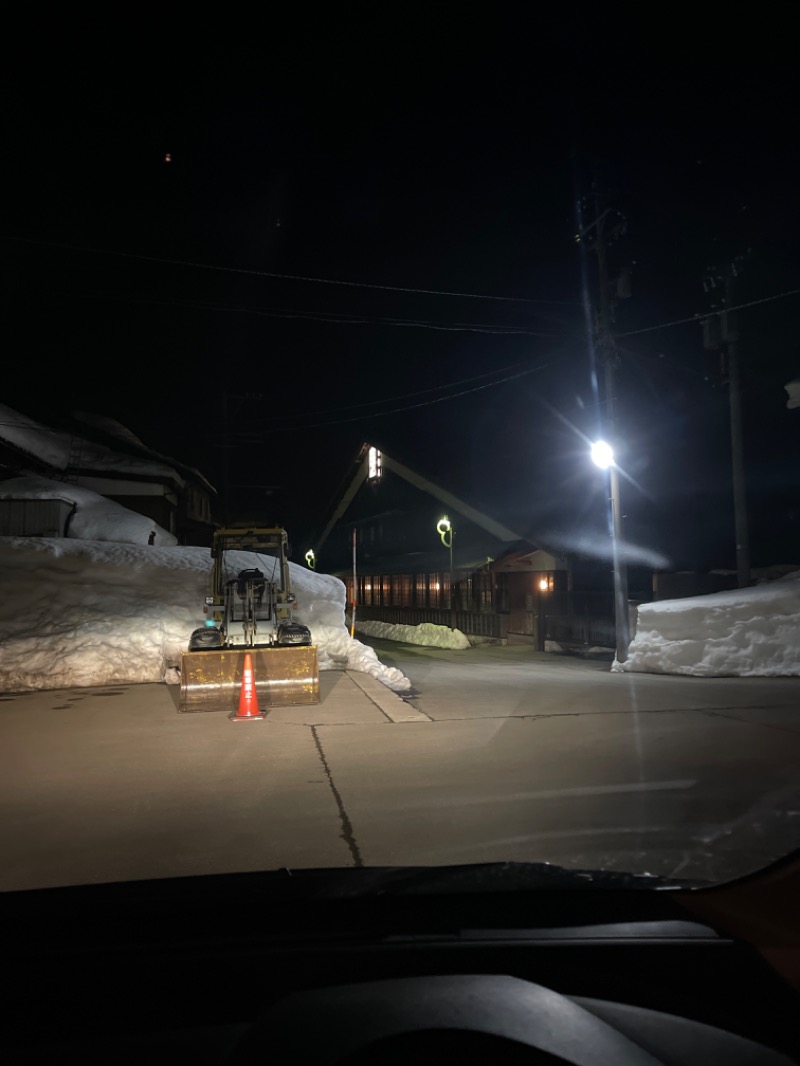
(110, 427)
(56, 448)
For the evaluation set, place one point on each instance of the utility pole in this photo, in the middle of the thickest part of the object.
(729, 338)
(236, 433)
(226, 458)
(737, 444)
(609, 356)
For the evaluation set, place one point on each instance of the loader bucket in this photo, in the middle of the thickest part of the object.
(284, 677)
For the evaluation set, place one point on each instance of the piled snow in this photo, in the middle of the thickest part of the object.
(338, 649)
(752, 632)
(96, 517)
(79, 612)
(427, 634)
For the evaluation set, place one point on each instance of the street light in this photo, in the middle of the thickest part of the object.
(603, 456)
(444, 527)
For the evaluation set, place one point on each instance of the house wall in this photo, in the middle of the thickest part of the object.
(34, 518)
(121, 487)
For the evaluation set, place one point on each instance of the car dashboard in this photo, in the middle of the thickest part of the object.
(227, 969)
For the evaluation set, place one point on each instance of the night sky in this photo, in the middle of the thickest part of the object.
(425, 150)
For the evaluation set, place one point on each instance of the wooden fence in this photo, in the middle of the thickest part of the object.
(566, 627)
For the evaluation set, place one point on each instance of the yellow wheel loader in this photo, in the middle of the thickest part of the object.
(249, 610)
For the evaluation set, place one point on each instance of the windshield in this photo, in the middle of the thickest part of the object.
(399, 450)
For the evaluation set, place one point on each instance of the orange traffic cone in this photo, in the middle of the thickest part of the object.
(248, 700)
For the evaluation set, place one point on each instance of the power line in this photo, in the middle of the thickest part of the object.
(428, 403)
(418, 392)
(283, 277)
(402, 396)
(709, 314)
(323, 316)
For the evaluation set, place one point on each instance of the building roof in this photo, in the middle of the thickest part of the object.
(455, 505)
(59, 451)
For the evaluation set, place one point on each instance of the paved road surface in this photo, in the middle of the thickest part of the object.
(494, 681)
(502, 755)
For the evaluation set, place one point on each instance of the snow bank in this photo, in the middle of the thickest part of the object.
(96, 517)
(752, 632)
(338, 649)
(427, 634)
(79, 612)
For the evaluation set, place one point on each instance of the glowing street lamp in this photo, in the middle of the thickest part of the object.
(444, 527)
(603, 456)
(544, 584)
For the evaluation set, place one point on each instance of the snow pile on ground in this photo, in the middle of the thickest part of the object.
(752, 632)
(80, 612)
(427, 634)
(338, 649)
(95, 518)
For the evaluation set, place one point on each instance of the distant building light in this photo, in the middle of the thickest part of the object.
(373, 464)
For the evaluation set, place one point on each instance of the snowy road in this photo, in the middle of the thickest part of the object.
(503, 755)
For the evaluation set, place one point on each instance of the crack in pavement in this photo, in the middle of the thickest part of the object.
(347, 834)
(553, 714)
(712, 712)
(747, 721)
